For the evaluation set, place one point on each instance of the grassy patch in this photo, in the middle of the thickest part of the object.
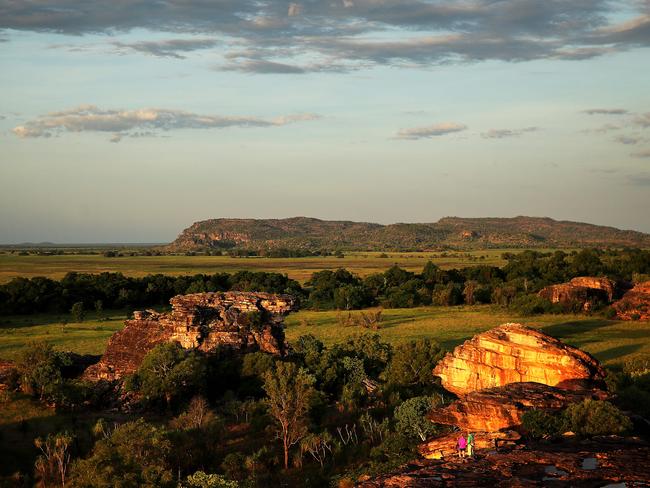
(56, 266)
(610, 341)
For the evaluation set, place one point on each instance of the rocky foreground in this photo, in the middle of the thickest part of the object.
(498, 376)
(601, 462)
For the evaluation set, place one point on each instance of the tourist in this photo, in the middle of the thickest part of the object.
(461, 446)
(470, 445)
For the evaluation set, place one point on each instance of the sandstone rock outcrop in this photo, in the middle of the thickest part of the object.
(513, 353)
(500, 374)
(583, 292)
(635, 304)
(495, 409)
(598, 463)
(240, 321)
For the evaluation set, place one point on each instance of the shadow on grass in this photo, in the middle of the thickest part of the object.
(575, 327)
(617, 352)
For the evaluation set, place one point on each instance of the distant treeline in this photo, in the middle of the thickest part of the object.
(514, 285)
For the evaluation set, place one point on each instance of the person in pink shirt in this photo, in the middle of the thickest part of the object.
(461, 445)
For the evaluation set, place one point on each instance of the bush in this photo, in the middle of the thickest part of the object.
(533, 305)
(541, 423)
(411, 417)
(595, 417)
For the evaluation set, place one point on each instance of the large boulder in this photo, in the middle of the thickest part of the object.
(582, 292)
(240, 321)
(635, 304)
(514, 353)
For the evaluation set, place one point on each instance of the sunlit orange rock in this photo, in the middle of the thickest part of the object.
(514, 353)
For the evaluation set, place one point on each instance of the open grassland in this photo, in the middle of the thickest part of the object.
(56, 266)
(610, 341)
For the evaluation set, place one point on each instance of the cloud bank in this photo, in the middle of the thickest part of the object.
(140, 122)
(357, 32)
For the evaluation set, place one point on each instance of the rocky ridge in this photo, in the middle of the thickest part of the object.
(462, 233)
(240, 321)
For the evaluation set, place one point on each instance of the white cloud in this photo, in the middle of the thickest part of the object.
(435, 130)
(134, 123)
(503, 133)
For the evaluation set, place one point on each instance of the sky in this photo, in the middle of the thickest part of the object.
(126, 121)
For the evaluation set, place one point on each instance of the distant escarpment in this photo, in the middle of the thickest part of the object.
(450, 232)
(239, 321)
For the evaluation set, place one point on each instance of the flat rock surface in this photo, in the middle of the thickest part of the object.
(592, 464)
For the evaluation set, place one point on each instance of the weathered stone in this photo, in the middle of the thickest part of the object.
(494, 409)
(514, 353)
(582, 292)
(240, 321)
(635, 304)
(618, 461)
(445, 446)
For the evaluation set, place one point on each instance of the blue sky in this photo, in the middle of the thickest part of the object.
(128, 124)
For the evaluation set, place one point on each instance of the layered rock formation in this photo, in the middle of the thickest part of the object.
(500, 374)
(241, 321)
(514, 353)
(583, 292)
(635, 304)
(495, 409)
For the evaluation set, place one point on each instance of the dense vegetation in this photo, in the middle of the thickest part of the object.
(514, 285)
(320, 414)
(321, 417)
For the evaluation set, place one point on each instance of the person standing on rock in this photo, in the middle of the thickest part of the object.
(470, 445)
(461, 445)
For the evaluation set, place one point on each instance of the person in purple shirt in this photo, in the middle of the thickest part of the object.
(461, 445)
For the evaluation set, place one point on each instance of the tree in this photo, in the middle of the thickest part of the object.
(52, 464)
(77, 311)
(412, 363)
(167, 371)
(99, 306)
(39, 368)
(135, 454)
(468, 292)
(289, 393)
(411, 417)
(319, 446)
(201, 479)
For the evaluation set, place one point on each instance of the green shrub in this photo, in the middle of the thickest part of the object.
(541, 423)
(595, 417)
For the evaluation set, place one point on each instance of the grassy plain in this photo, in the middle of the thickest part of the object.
(56, 266)
(610, 341)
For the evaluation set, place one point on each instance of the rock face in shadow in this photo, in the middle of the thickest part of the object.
(582, 292)
(513, 353)
(240, 321)
(635, 304)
